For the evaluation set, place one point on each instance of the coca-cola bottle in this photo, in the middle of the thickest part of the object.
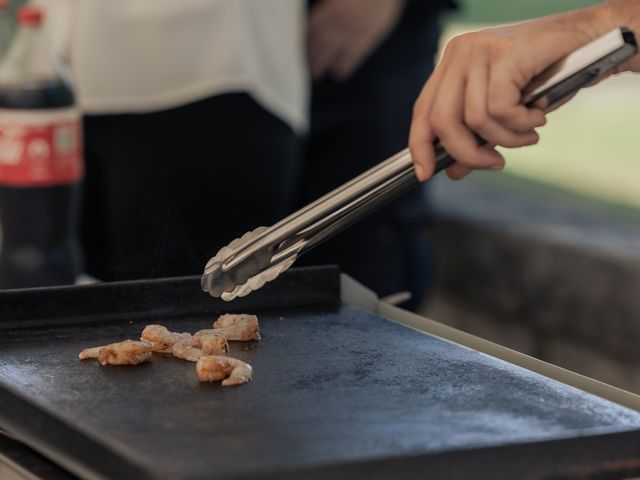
(40, 162)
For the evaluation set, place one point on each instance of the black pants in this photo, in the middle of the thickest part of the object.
(164, 191)
(358, 123)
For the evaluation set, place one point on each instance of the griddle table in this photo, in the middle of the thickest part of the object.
(344, 387)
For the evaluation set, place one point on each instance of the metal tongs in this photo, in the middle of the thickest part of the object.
(259, 256)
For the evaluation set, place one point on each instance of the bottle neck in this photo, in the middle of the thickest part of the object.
(28, 59)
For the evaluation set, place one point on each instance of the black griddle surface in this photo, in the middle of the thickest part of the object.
(333, 385)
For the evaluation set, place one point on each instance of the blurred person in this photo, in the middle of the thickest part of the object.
(193, 114)
(477, 86)
(368, 60)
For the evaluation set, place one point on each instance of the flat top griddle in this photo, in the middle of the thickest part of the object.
(337, 391)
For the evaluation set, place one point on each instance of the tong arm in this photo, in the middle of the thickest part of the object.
(338, 209)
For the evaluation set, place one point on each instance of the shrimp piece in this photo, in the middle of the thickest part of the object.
(161, 338)
(183, 345)
(230, 370)
(235, 327)
(128, 352)
(88, 353)
(185, 351)
(245, 327)
(212, 344)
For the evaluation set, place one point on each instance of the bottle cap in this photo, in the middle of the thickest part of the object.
(30, 15)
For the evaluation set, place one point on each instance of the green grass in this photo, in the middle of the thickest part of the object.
(499, 11)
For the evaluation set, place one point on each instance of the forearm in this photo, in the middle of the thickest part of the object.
(623, 13)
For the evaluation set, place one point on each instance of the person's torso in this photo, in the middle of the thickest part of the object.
(149, 55)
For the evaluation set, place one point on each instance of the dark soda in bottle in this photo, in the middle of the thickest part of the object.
(40, 162)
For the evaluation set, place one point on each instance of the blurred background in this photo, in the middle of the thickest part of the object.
(570, 154)
(545, 256)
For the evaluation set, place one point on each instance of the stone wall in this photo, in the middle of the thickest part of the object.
(546, 274)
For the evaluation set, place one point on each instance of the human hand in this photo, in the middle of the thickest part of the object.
(477, 87)
(342, 34)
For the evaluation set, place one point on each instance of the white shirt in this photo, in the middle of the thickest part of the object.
(146, 55)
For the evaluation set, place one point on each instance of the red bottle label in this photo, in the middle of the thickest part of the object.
(40, 148)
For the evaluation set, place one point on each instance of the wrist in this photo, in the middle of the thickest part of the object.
(589, 23)
(615, 13)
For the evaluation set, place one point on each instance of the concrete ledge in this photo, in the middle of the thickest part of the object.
(540, 272)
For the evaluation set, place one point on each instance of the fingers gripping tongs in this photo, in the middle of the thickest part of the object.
(259, 256)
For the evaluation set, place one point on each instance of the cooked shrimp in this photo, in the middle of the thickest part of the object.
(241, 325)
(235, 327)
(185, 351)
(128, 352)
(183, 345)
(161, 338)
(230, 370)
(89, 353)
(212, 344)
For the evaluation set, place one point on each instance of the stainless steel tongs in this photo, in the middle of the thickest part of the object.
(259, 256)
(262, 254)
